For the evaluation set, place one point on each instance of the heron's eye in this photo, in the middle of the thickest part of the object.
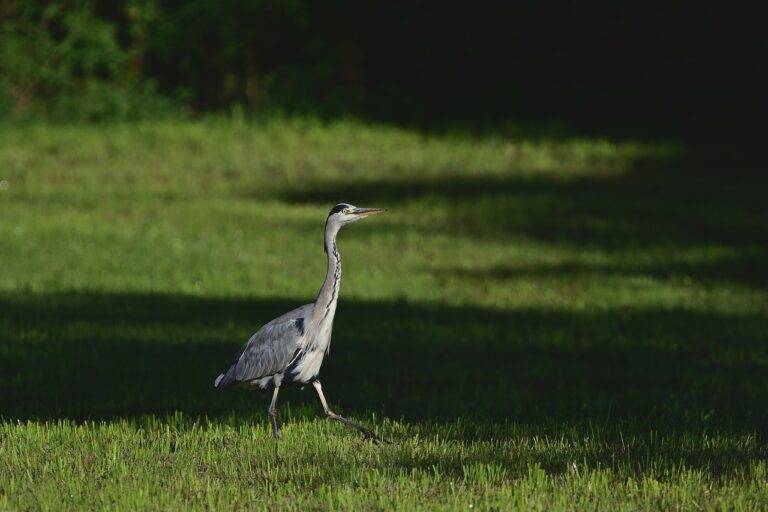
(347, 210)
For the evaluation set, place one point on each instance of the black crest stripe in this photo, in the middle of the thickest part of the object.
(338, 208)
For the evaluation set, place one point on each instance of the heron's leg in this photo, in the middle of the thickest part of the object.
(272, 411)
(367, 433)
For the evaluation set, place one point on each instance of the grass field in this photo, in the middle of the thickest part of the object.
(536, 324)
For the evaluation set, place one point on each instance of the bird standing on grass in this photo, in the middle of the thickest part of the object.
(290, 348)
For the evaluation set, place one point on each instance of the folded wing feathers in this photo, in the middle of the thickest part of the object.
(269, 351)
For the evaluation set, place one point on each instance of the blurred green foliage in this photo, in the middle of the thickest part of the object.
(60, 60)
(68, 60)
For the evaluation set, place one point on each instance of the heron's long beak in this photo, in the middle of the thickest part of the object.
(367, 212)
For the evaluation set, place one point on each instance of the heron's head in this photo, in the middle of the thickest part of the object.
(344, 213)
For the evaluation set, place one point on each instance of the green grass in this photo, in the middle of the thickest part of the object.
(550, 324)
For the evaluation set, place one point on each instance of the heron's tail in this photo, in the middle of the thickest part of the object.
(225, 380)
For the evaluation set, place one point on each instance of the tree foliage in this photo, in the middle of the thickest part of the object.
(62, 61)
(651, 62)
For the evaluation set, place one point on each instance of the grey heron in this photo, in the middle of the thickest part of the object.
(291, 348)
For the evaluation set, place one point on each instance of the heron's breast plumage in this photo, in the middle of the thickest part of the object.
(306, 366)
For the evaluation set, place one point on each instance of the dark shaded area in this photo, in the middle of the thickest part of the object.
(744, 270)
(91, 356)
(651, 67)
(651, 63)
(670, 207)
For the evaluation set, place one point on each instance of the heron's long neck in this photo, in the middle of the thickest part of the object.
(325, 304)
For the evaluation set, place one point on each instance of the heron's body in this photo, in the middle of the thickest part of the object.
(291, 348)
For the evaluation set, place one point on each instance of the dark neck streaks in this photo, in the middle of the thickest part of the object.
(329, 292)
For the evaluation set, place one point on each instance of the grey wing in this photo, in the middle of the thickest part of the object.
(269, 350)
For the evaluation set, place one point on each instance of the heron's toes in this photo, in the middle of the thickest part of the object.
(369, 435)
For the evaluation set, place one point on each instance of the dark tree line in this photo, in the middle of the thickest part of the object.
(424, 61)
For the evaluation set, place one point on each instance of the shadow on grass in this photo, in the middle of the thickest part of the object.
(748, 269)
(663, 208)
(104, 356)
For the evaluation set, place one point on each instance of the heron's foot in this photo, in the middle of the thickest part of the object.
(275, 425)
(368, 434)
